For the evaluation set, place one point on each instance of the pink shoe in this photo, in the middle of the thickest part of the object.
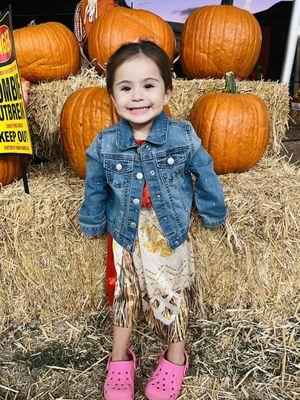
(166, 381)
(119, 382)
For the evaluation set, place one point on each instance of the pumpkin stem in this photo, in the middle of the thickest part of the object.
(32, 23)
(226, 2)
(230, 84)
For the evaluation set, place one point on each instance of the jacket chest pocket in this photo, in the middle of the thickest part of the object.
(171, 166)
(118, 172)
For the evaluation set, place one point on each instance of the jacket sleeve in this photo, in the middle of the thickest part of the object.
(208, 191)
(92, 217)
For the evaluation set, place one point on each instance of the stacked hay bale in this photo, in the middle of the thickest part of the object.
(49, 269)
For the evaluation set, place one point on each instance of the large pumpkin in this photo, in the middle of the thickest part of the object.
(10, 168)
(234, 128)
(84, 114)
(220, 38)
(121, 25)
(46, 52)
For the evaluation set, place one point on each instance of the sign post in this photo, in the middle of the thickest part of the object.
(14, 130)
(291, 43)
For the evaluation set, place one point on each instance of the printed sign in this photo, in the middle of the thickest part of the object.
(14, 131)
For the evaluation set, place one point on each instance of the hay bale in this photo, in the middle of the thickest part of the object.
(48, 268)
(47, 99)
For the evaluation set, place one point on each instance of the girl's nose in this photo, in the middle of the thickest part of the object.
(137, 95)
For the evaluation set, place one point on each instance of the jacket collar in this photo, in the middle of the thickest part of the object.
(158, 134)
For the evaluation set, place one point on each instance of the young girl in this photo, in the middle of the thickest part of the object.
(139, 186)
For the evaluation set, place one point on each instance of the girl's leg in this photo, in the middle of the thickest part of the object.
(175, 353)
(120, 343)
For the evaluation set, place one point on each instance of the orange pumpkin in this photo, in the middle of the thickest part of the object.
(121, 25)
(10, 168)
(220, 38)
(84, 114)
(88, 15)
(234, 128)
(46, 52)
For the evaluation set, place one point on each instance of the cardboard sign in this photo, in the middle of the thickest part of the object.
(14, 131)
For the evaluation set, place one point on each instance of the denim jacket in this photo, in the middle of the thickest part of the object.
(117, 169)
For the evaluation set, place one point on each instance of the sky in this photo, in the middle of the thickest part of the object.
(178, 10)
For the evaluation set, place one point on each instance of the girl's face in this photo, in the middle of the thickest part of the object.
(139, 92)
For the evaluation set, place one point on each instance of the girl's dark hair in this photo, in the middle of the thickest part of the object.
(132, 49)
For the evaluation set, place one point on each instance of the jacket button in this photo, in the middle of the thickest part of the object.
(148, 147)
(136, 202)
(158, 196)
(152, 173)
(132, 225)
(139, 175)
(170, 161)
(128, 247)
(119, 167)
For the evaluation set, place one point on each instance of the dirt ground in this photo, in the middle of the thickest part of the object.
(232, 357)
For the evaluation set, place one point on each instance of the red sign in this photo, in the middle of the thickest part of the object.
(5, 44)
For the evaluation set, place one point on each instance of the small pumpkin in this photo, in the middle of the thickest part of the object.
(10, 168)
(121, 25)
(220, 38)
(234, 127)
(84, 114)
(46, 52)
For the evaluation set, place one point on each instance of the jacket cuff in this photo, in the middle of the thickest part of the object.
(213, 223)
(93, 230)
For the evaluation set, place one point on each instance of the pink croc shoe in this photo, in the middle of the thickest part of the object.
(166, 381)
(119, 382)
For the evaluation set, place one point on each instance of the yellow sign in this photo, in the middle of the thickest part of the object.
(14, 131)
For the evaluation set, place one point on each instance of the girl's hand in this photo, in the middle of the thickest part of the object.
(25, 88)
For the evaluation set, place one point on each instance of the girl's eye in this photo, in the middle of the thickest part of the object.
(125, 88)
(149, 86)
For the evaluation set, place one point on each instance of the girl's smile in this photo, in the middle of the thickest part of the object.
(139, 93)
(138, 110)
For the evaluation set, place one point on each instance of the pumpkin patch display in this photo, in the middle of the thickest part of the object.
(121, 25)
(234, 128)
(46, 52)
(84, 114)
(220, 38)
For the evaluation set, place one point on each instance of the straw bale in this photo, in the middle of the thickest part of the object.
(48, 268)
(47, 99)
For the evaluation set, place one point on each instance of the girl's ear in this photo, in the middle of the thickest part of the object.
(168, 95)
